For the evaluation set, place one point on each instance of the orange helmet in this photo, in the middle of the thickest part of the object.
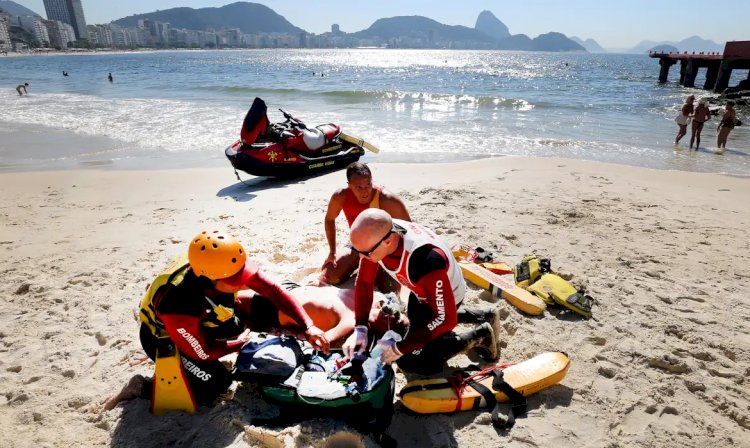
(216, 255)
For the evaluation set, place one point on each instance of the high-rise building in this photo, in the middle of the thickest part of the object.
(70, 12)
(5, 44)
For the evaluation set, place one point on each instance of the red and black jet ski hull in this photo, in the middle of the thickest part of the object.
(272, 160)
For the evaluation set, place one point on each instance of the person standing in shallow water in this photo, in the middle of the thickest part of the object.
(702, 114)
(683, 118)
(726, 125)
(110, 78)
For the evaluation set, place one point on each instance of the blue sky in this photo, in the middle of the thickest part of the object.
(613, 24)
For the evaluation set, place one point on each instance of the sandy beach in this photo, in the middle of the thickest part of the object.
(665, 254)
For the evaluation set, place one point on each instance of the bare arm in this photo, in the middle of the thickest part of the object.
(335, 205)
(393, 204)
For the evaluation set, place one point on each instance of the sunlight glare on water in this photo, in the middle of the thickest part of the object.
(414, 104)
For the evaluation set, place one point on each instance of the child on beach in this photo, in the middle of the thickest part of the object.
(22, 87)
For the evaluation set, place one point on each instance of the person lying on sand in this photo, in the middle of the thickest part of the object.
(331, 309)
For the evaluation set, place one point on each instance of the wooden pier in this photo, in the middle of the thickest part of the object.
(719, 66)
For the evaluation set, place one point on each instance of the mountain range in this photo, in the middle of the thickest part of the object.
(489, 32)
(694, 43)
(419, 27)
(590, 45)
(248, 17)
(15, 9)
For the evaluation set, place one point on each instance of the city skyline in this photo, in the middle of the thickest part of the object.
(611, 25)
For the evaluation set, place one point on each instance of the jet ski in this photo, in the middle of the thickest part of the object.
(291, 149)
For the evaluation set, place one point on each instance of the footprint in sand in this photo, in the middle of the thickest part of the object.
(100, 338)
(33, 379)
(669, 364)
(607, 372)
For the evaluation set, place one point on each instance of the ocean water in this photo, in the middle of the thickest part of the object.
(182, 108)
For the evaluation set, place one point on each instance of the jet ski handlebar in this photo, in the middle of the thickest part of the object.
(294, 121)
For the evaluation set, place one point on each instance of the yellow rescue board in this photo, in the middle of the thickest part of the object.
(500, 287)
(359, 142)
(528, 377)
(171, 390)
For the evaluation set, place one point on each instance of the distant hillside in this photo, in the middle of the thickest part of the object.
(248, 17)
(663, 49)
(15, 9)
(555, 42)
(519, 42)
(694, 43)
(489, 32)
(545, 42)
(491, 25)
(419, 27)
(590, 45)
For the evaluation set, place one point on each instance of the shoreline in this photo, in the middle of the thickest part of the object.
(92, 153)
(219, 162)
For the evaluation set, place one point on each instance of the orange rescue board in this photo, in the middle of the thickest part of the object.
(527, 377)
(500, 287)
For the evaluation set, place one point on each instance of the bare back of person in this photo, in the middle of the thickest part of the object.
(332, 310)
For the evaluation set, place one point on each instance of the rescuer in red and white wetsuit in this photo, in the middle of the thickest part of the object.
(422, 262)
(193, 304)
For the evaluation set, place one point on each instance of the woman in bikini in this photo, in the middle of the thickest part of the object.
(702, 114)
(726, 125)
(683, 118)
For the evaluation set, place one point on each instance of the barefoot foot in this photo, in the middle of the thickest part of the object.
(130, 391)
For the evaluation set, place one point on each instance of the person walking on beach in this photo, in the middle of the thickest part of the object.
(359, 195)
(683, 119)
(21, 87)
(726, 125)
(110, 78)
(422, 262)
(702, 114)
(192, 308)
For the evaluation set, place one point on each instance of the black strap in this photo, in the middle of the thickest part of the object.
(517, 403)
(485, 392)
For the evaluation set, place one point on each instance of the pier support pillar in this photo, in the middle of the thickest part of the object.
(711, 75)
(683, 71)
(725, 72)
(691, 71)
(664, 72)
